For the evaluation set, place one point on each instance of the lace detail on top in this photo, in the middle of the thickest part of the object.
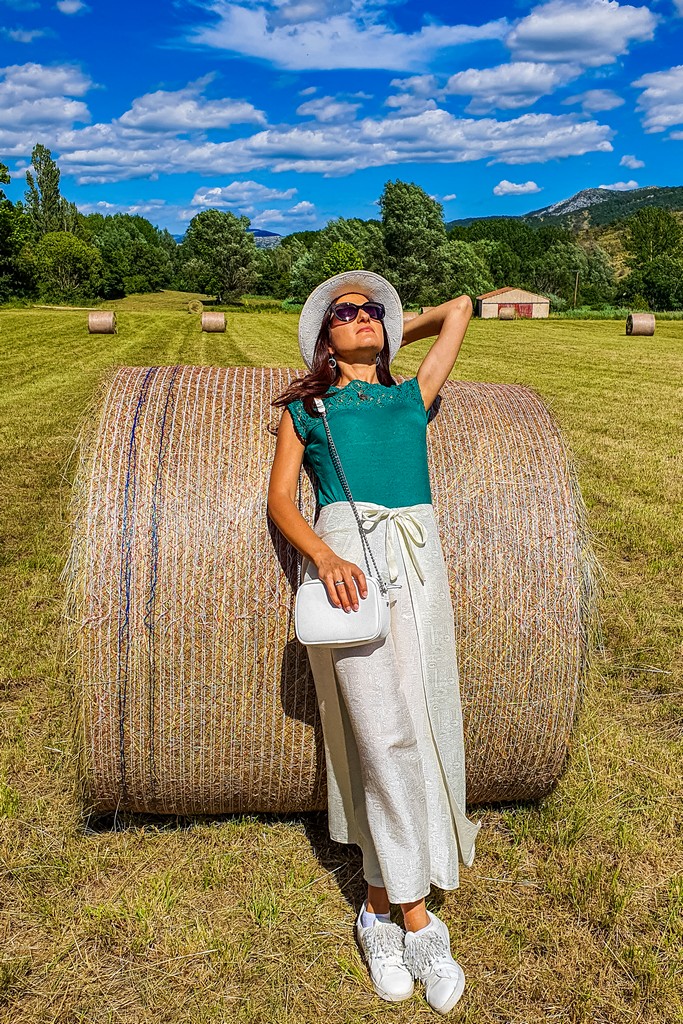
(357, 393)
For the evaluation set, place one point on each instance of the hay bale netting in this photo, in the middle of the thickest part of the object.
(195, 306)
(195, 695)
(101, 321)
(506, 313)
(640, 323)
(213, 322)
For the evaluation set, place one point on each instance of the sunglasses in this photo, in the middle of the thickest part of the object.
(348, 311)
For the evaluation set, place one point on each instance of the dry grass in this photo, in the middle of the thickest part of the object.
(573, 909)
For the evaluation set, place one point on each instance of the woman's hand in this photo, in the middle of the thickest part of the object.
(332, 568)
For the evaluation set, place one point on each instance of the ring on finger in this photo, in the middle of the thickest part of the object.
(338, 583)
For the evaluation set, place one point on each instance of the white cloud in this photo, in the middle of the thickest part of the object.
(417, 93)
(406, 103)
(308, 91)
(327, 109)
(449, 197)
(187, 110)
(35, 98)
(148, 208)
(165, 133)
(102, 153)
(358, 38)
(176, 216)
(507, 86)
(294, 12)
(298, 215)
(588, 32)
(662, 100)
(24, 35)
(239, 194)
(632, 162)
(510, 188)
(72, 6)
(33, 81)
(621, 186)
(426, 86)
(595, 99)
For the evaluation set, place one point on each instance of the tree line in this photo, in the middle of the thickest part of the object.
(51, 251)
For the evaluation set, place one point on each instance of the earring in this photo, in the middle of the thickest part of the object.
(377, 359)
(332, 362)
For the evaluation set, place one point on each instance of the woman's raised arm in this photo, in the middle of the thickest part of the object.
(449, 322)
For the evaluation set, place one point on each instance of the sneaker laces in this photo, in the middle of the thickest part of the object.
(384, 942)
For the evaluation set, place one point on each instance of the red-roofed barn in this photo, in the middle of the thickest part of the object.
(523, 303)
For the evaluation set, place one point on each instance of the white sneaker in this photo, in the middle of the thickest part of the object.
(428, 958)
(382, 947)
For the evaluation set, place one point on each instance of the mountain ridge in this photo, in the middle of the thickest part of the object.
(594, 207)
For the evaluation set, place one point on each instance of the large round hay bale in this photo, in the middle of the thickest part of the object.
(640, 323)
(506, 312)
(101, 321)
(195, 695)
(213, 322)
(195, 306)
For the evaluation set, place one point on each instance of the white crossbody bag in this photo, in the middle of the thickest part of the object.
(319, 623)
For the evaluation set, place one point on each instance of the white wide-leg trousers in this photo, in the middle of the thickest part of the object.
(390, 711)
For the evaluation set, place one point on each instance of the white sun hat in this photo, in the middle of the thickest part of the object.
(364, 282)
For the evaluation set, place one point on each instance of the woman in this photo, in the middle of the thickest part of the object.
(390, 710)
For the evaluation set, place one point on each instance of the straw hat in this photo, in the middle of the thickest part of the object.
(365, 282)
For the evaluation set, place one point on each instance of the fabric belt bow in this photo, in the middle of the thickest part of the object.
(407, 528)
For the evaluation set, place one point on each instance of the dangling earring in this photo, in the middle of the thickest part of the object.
(377, 358)
(332, 363)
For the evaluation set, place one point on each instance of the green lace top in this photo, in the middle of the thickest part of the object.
(381, 436)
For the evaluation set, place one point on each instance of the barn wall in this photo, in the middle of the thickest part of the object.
(489, 309)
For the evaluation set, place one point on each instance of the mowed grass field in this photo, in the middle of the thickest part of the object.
(573, 909)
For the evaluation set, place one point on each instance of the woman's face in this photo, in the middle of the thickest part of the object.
(361, 339)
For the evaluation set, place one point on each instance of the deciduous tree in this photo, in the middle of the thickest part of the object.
(415, 241)
(218, 255)
(67, 267)
(651, 233)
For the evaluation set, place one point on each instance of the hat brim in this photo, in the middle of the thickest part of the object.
(364, 282)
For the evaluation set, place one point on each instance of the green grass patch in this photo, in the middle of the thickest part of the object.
(572, 911)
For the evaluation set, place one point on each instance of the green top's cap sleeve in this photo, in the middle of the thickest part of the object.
(301, 420)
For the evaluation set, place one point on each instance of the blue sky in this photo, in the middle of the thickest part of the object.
(297, 111)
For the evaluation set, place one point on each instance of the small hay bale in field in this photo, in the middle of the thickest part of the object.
(506, 313)
(101, 321)
(640, 323)
(195, 306)
(195, 696)
(213, 322)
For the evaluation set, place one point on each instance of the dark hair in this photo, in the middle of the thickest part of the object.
(316, 383)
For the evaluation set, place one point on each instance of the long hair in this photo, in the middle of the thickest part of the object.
(316, 383)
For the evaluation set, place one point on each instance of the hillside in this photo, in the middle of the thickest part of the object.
(596, 207)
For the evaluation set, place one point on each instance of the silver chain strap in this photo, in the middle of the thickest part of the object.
(336, 461)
